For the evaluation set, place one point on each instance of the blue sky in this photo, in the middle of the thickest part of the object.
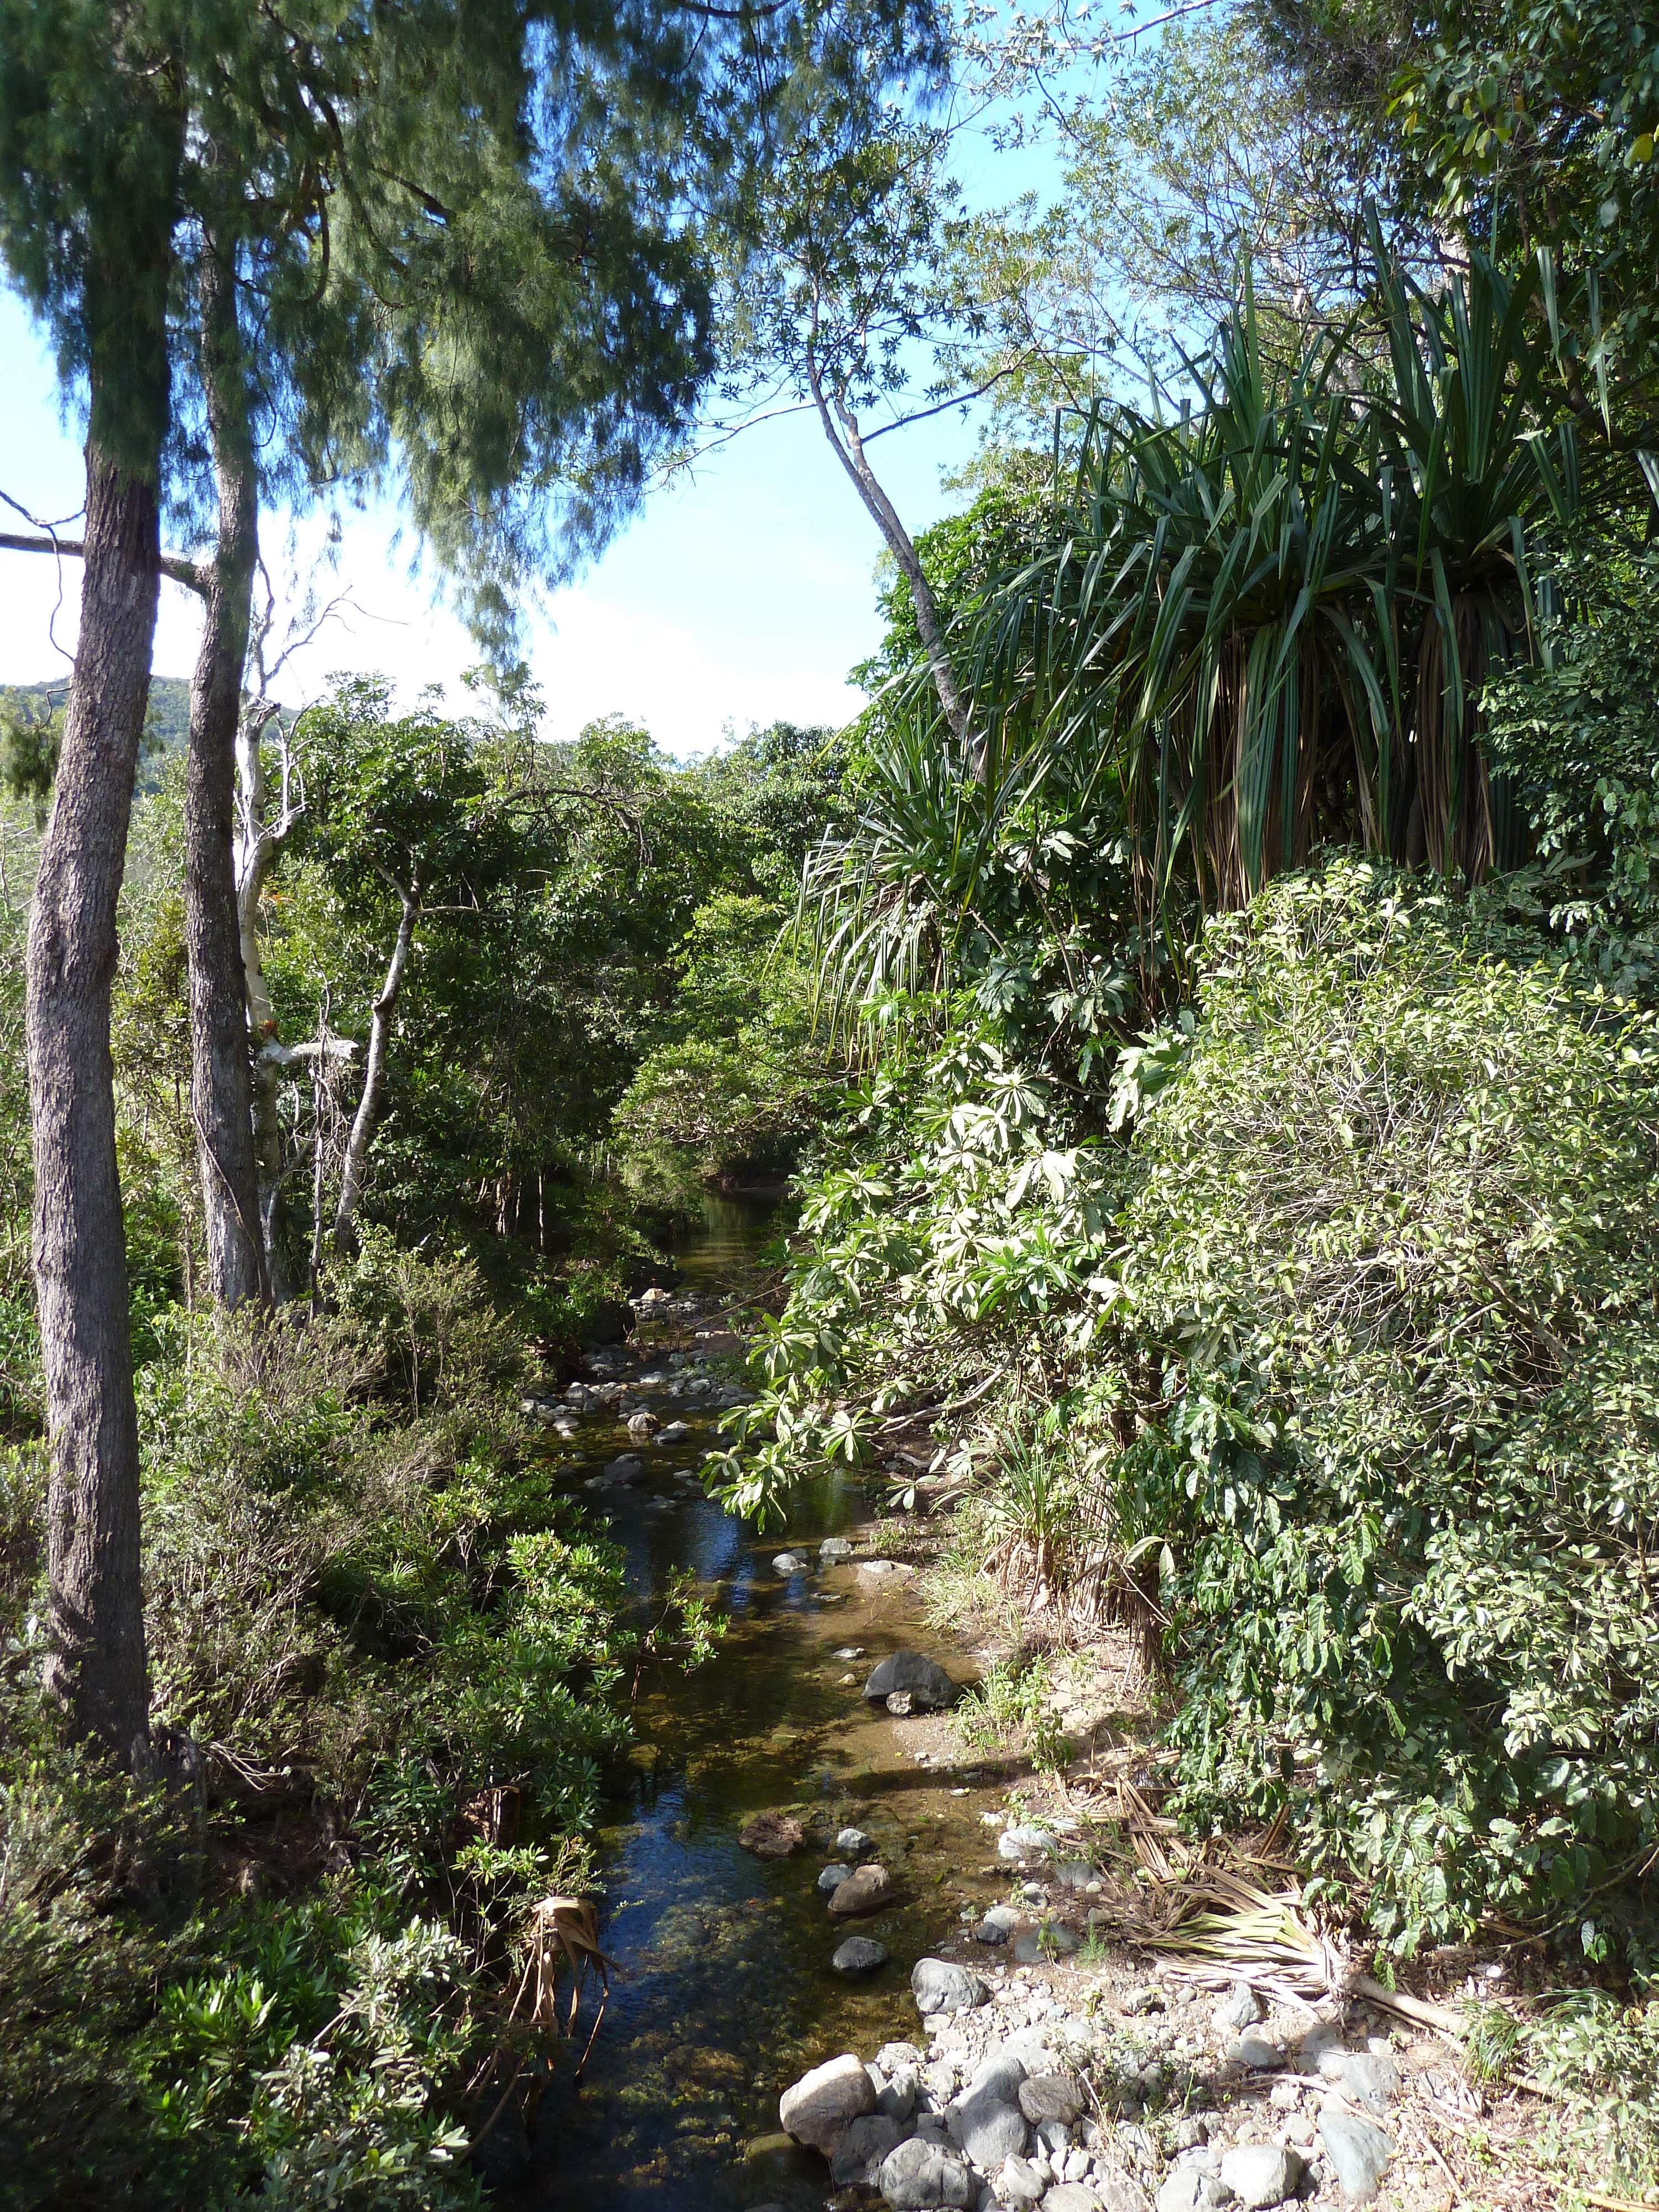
(740, 597)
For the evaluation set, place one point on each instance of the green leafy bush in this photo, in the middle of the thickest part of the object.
(1577, 738)
(1598, 2061)
(367, 1609)
(948, 1246)
(1350, 1338)
(1396, 1228)
(322, 2042)
(297, 2054)
(737, 1083)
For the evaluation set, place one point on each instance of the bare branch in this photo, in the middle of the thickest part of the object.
(175, 565)
(958, 399)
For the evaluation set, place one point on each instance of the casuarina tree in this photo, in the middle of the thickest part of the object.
(443, 249)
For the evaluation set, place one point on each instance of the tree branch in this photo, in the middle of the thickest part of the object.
(176, 565)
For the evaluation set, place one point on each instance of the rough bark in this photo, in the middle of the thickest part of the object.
(96, 1666)
(379, 1030)
(221, 1090)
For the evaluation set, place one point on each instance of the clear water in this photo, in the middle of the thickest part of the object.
(726, 1992)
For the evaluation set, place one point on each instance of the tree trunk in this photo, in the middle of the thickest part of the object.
(256, 848)
(96, 1665)
(848, 447)
(368, 1106)
(221, 1093)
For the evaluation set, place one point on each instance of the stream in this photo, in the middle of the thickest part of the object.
(726, 1993)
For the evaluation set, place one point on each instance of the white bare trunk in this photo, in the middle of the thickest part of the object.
(368, 1106)
(849, 445)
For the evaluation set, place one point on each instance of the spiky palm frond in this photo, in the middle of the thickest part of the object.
(880, 906)
(1262, 623)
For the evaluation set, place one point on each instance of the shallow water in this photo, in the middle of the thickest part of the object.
(726, 1993)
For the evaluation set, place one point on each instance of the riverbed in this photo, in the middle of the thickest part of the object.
(724, 1991)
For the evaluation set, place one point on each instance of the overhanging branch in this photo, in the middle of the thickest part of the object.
(182, 570)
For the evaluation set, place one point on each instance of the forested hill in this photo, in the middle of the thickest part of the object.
(169, 721)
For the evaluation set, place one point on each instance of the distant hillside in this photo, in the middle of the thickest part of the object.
(166, 730)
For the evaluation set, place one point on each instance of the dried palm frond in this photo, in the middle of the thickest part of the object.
(563, 1928)
(559, 1929)
(1227, 1929)
(1223, 1927)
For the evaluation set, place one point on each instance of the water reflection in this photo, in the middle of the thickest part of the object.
(726, 1993)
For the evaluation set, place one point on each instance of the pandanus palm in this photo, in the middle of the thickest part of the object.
(880, 907)
(1468, 414)
(1262, 623)
(1271, 615)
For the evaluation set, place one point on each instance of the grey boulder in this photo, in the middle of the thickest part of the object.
(859, 1954)
(853, 1842)
(925, 1681)
(1020, 2183)
(832, 1878)
(1024, 1843)
(1050, 2097)
(1189, 2189)
(998, 2075)
(1256, 2052)
(863, 1891)
(998, 1925)
(1359, 2150)
(1368, 2076)
(1119, 2194)
(985, 2120)
(990, 2130)
(940, 1985)
(892, 2055)
(1071, 1874)
(898, 2098)
(1071, 2197)
(822, 2105)
(1242, 2008)
(1261, 2173)
(626, 1468)
(788, 1563)
(1324, 2035)
(861, 2151)
(918, 2177)
(833, 1548)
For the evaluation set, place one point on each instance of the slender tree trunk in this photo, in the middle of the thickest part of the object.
(221, 1093)
(96, 1665)
(848, 447)
(368, 1106)
(255, 851)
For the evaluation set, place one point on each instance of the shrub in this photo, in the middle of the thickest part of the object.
(947, 1256)
(736, 1082)
(1600, 2060)
(1397, 1229)
(1577, 740)
(367, 1617)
